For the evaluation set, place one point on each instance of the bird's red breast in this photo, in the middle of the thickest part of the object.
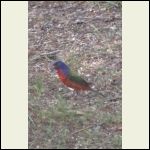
(70, 83)
(61, 75)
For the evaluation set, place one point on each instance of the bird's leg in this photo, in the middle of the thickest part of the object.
(75, 93)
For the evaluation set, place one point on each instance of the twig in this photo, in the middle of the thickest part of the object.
(49, 53)
(83, 129)
(31, 120)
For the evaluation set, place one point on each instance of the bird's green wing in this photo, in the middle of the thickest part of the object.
(78, 80)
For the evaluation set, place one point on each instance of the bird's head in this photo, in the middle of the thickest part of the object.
(59, 65)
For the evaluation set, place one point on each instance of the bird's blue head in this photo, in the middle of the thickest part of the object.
(59, 65)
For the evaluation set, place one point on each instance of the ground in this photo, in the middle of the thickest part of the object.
(87, 36)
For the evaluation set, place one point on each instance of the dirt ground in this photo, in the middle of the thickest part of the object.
(87, 36)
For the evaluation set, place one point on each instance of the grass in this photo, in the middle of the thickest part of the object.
(106, 4)
(117, 142)
(38, 87)
(59, 119)
(58, 123)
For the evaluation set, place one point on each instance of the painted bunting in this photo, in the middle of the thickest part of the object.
(73, 81)
(70, 80)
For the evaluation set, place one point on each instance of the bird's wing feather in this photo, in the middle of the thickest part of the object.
(78, 80)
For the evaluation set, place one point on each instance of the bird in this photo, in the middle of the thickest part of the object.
(69, 79)
(75, 81)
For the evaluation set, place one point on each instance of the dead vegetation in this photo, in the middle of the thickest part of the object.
(87, 36)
